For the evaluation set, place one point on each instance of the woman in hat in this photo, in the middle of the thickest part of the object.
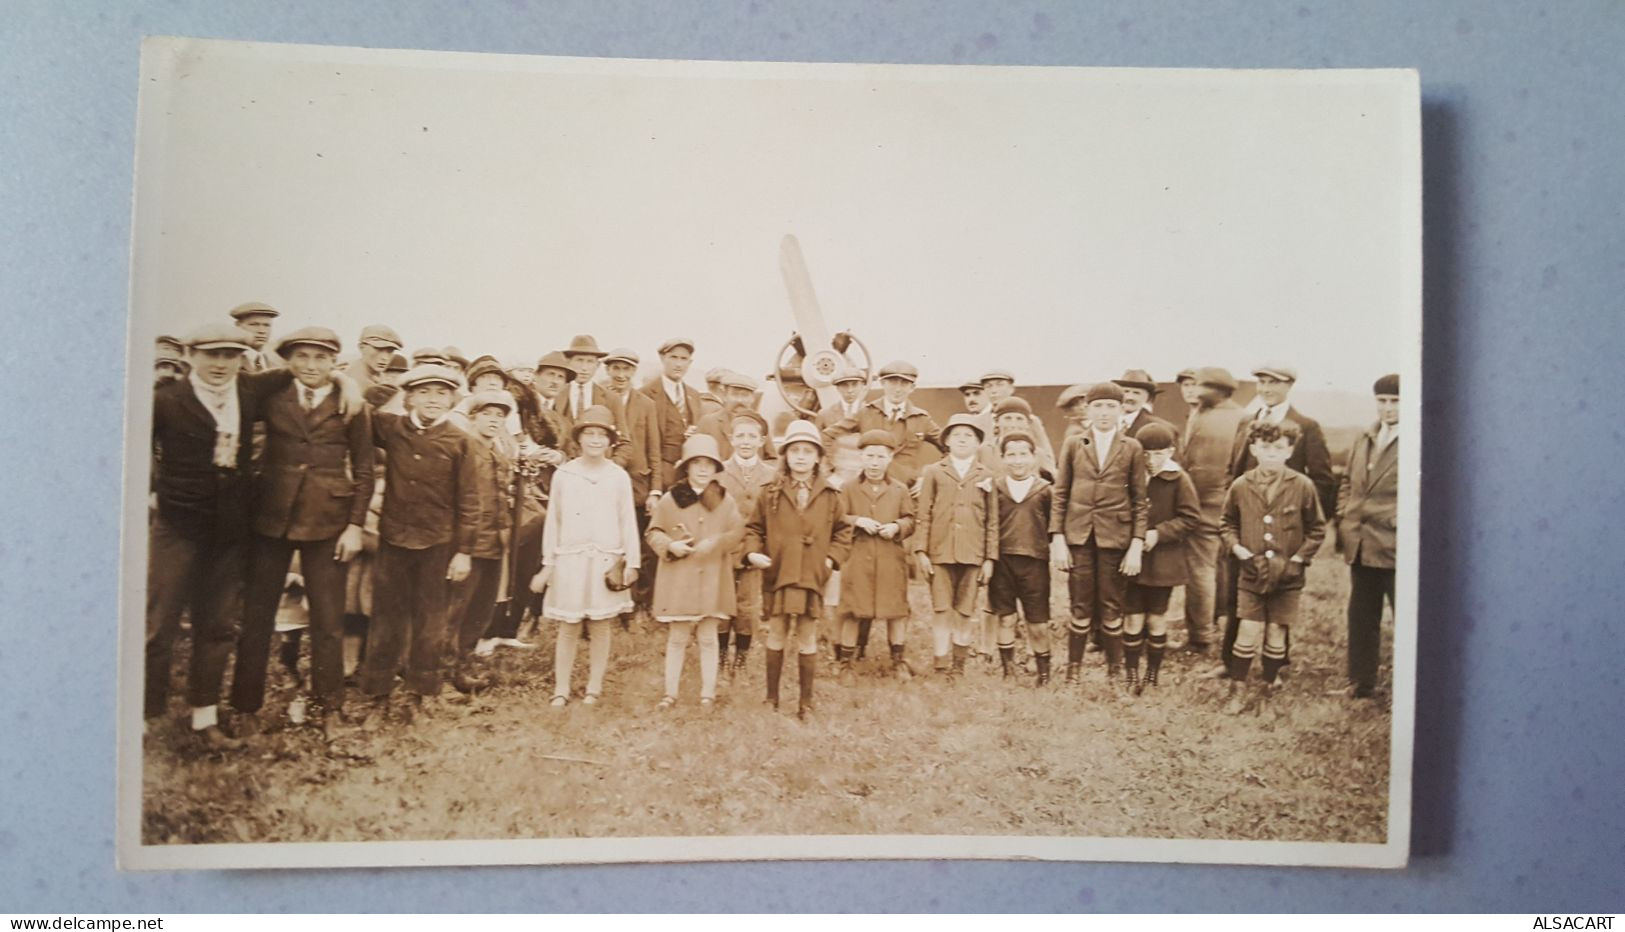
(799, 536)
(590, 530)
(695, 529)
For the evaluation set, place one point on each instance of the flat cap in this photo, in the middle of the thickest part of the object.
(515, 364)
(488, 398)
(878, 438)
(1013, 405)
(1185, 375)
(429, 374)
(622, 354)
(1070, 394)
(970, 385)
(1138, 378)
(848, 374)
(217, 336)
(1387, 385)
(675, 342)
(455, 355)
(900, 370)
(1156, 436)
(732, 379)
(716, 374)
(993, 375)
(1216, 376)
(429, 355)
(381, 336)
(749, 415)
(1277, 371)
(1006, 439)
(1103, 391)
(319, 337)
(253, 309)
(397, 363)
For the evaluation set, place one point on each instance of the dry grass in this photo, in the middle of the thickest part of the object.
(981, 756)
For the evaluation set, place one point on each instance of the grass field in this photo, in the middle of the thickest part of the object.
(979, 756)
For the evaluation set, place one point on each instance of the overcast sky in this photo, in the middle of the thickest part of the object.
(1061, 223)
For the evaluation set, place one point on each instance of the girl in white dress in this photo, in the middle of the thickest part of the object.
(590, 529)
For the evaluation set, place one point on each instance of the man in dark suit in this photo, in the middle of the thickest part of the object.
(919, 441)
(637, 451)
(677, 406)
(1367, 520)
(310, 497)
(580, 393)
(1138, 390)
(1310, 457)
(197, 543)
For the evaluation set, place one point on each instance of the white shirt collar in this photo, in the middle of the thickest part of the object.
(743, 463)
(674, 390)
(1273, 415)
(1386, 434)
(1019, 487)
(317, 394)
(961, 466)
(418, 421)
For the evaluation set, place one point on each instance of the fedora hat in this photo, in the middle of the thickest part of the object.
(556, 360)
(584, 345)
(1138, 378)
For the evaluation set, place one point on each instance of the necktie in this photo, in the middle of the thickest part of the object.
(307, 397)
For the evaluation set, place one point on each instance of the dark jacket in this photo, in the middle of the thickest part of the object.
(315, 477)
(918, 437)
(1274, 527)
(1024, 525)
(1109, 504)
(196, 498)
(1174, 513)
(494, 483)
(431, 484)
(638, 449)
(671, 423)
(1144, 418)
(1368, 503)
(1309, 456)
(797, 540)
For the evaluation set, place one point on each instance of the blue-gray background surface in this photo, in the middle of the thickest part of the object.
(1520, 756)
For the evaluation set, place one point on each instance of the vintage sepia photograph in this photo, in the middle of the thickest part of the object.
(544, 460)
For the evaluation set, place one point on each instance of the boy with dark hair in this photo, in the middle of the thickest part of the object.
(426, 537)
(1367, 521)
(1271, 523)
(1021, 574)
(1098, 523)
(1174, 511)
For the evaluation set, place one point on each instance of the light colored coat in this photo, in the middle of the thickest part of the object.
(958, 518)
(1368, 503)
(700, 585)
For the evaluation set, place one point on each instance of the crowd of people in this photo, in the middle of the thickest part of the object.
(429, 506)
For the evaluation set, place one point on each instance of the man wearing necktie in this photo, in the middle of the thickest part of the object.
(677, 406)
(311, 496)
(917, 435)
(1367, 520)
